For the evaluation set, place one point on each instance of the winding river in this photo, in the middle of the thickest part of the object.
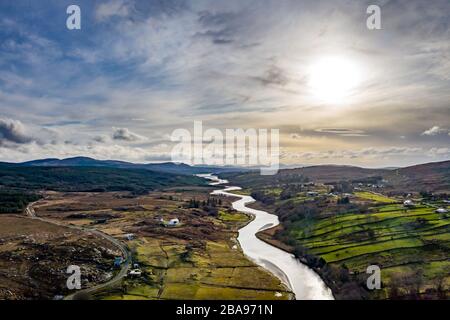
(302, 280)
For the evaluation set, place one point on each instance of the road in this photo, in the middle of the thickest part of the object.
(30, 212)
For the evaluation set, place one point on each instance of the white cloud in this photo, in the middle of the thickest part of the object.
(433, 131)
(119, 8)
(232, 65)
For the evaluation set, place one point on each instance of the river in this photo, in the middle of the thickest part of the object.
(302, 280)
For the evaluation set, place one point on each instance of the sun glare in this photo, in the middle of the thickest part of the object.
(333, 79)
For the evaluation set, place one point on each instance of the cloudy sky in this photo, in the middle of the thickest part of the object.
(116, 89)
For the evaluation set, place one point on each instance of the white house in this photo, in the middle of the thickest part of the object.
(408, 203)
(441, 210)
(173, 222)
(135, 273)
(130, 236)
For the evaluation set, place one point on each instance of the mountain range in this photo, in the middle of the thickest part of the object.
(167, 167)
(430, 176)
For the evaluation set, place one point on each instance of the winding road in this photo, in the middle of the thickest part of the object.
(30, 212)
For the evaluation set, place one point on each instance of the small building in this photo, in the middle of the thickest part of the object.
(312, 194)
(408, 203)
(173, 222)
(130, 236)
(441, 210)
(135, 273)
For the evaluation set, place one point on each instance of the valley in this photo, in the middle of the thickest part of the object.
(197, 259)
(341, 226)
(139, 234)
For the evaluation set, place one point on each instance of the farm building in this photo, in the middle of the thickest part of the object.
(441, 210)
(135, 273)
(130, 236)
(408, 203)
(173, 222)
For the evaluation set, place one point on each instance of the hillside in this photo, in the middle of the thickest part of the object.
(429, 176)
(89, 179)
(358, 219)
(168, 167)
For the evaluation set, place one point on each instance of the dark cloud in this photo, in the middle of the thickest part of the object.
(342, 131)
(13, 131)
(100, 139)
(213, 19)
(217, 37)
(126, 135)
(219, 26)
(274, 76)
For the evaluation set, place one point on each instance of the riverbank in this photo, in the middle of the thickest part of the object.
(341, 247)
(268, 236)
(305, 283)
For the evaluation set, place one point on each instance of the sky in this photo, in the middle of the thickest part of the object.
(338, 92)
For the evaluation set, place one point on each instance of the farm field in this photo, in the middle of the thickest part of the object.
(340, 229)
(409, 245)
(198, 259)
(374, 197)
(214, 272)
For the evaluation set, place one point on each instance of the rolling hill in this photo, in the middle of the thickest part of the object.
(89, 179)
(433, 176)
(168, 167)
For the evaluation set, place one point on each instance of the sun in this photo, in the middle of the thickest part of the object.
(333, 79)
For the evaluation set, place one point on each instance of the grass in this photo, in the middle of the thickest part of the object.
(232, 216)
(406, 244)
(376, 197)
(216, 271)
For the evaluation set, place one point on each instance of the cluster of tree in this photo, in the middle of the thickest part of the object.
(15, 201)
(291, 191)
(429, 196)
(368, 180)
(409, 286)
(344, 200)
(210, 202)
(255, 180)
(186, 256)
(264, 197)
(209, 206)
(341, 187)
(193, 204)
(292, 212)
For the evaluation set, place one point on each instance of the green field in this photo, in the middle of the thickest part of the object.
(405, 244)
(217, 271)
(376, 197)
